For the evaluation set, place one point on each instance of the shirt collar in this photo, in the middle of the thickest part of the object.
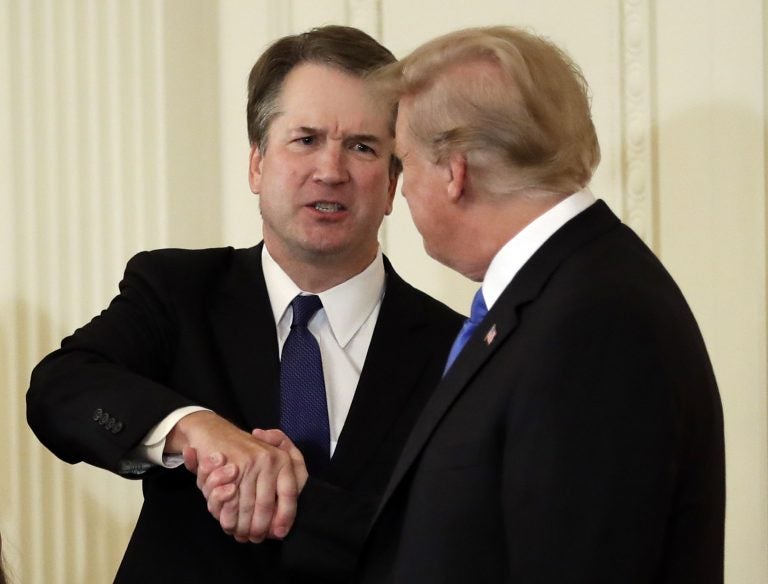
(518, 250)
(347, 305)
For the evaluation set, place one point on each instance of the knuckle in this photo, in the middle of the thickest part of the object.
(288, 490)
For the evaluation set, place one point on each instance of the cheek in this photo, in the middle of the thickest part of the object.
(376, 184)
(378, 176)
(419, 212)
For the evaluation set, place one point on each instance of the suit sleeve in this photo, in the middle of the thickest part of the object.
(96, 397)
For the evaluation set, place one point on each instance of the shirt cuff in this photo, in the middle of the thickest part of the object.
(151, 448)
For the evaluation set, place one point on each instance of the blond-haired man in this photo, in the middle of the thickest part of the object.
(577, 435)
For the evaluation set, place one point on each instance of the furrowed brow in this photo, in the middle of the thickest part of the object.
(370, 138)
(308, 130)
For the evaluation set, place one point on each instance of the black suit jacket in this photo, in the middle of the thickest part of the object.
(577, 438)
(195, 327)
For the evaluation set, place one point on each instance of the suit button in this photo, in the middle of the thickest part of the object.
(104, 418)
(110, 424)
(97, 414)
(117, 427)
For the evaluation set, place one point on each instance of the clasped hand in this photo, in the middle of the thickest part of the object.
(251, 482)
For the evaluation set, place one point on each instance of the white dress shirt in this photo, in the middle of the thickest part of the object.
(518, 250)
(343, 329)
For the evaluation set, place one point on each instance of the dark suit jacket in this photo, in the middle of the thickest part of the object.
(195, 327)
(577, 438)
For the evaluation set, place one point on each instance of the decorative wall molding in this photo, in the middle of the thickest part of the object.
(82, 107)
(638, 172)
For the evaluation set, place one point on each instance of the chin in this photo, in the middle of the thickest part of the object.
(455, 264)
(437, 256)
(331, 248)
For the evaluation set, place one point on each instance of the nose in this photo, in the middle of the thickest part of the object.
(332, 164)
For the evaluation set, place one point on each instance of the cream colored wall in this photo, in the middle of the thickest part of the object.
(121, 128)
(109, 144)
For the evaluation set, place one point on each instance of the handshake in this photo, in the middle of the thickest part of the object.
(251, 482)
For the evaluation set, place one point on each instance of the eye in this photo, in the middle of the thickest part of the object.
(364, 148)
(306, 140)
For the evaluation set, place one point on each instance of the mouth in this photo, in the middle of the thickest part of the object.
(326, 207)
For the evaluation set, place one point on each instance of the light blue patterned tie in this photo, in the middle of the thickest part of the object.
(303, 406)
(476, 315)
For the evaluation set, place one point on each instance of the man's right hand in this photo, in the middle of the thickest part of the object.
(217, 476)
(260, 496)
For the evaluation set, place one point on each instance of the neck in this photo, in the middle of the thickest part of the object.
(494, 224)
(318, 272)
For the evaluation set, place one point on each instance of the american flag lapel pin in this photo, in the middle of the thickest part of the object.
(490, 335)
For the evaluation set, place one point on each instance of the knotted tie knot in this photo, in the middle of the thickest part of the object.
(476, 315)
(478, 310)
(304, 308)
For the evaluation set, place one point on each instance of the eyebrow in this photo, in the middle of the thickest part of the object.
(351, 138)
(365, 138)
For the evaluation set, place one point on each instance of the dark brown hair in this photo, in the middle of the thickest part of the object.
(345, 48)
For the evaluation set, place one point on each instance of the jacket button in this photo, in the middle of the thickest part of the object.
(97, 414)
(104, 418)
(110, 424)
(117, 427)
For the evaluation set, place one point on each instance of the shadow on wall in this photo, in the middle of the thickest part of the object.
(711, 215)
(712, 223)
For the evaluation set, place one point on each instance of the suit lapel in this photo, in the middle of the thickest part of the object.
(499, 324)
(244, 328)
(393, 368)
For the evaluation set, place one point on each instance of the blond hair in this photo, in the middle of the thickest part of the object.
(515, 104)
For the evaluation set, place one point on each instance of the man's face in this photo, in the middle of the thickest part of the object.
(324, 181)
(424, 185)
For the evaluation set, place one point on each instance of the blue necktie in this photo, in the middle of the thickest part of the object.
(476, 315)
(303, 407)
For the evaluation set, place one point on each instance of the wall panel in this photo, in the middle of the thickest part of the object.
(87, 181)
(712, 231)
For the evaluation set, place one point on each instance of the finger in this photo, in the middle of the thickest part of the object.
(219, 497)
(190, 458)
(276, 438)
(280, 440)
(247, 499)
(228, 514)
(208, 464)
(220, 476)
(299, 466)
(265, 496)
(271, 437)
(287, 491)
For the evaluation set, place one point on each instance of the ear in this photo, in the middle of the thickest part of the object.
(457, 176)
(254, 169)
(391, 192)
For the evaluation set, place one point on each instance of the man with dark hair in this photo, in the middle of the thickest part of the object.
(256, 364)
(577, 433)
